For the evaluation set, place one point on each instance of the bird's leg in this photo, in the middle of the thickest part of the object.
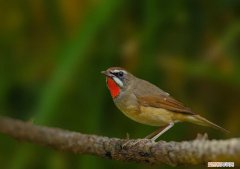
(155, 132)
(153, 136)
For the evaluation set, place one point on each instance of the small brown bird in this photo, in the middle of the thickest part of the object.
(145, 103)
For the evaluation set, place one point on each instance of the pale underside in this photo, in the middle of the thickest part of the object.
(154, 116)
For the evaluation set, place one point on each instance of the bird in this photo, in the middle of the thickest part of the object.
(147, 104)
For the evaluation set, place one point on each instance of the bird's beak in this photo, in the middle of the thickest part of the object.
(106, 73)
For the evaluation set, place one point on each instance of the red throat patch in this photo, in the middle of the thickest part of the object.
(113, 87)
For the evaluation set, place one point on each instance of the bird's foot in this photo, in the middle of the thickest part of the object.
(131, 143)
(202, 136)
(127, 136)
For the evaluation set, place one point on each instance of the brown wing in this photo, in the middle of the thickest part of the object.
(165, 102)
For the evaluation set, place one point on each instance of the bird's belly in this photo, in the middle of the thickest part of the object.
(150, 116)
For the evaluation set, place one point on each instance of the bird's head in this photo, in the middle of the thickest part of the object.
(118, 79)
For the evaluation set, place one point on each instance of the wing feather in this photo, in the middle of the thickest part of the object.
(164, 102)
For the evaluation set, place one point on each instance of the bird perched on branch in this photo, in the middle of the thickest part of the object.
(145, 103)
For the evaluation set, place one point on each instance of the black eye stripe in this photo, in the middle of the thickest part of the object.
(118, 74)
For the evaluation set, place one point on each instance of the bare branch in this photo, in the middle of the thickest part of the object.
(198, 151)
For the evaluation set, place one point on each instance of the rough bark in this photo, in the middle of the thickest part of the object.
(198, 151)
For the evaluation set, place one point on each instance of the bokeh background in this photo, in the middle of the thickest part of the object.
(52, 52)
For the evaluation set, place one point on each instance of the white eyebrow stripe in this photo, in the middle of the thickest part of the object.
(116, 71)
(118, 81)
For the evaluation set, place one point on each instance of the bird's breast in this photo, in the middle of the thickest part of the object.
(152, 116)
(145, 115)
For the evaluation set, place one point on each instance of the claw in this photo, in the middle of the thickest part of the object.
(131, 143)
(202, 136)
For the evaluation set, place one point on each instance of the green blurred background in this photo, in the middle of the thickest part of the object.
(52, 52)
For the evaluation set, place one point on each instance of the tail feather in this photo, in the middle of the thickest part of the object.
(204, 122)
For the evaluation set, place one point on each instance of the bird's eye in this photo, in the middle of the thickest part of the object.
(120, 74)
